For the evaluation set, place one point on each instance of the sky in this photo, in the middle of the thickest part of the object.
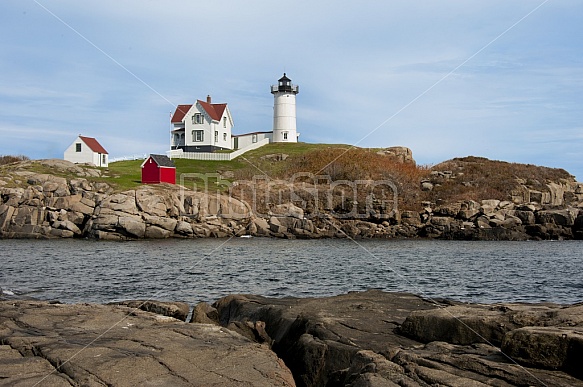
(449, 78)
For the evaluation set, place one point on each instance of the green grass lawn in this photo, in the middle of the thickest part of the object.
(127, 174)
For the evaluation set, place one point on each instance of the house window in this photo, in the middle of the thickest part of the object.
(78, 147)
(198, 118)
(103, 160)
(285, 135)
(198, 135)
(216, 136)
(224, 122)
(254, 138)
(224, 136)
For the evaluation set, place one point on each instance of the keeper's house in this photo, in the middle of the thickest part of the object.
(202, 127)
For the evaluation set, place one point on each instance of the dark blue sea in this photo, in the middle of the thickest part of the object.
(74, 271)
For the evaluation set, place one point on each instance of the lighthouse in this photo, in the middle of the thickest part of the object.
(284, 110)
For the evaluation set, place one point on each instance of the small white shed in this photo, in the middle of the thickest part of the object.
(87, 150)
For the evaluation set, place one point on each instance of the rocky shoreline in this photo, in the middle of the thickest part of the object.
(49, 206)
(370, 338)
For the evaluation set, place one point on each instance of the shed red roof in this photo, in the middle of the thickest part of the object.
(214, 110)
(179, 114)
(93, 144)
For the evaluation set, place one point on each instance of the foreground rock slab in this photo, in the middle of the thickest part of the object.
(357, 339)
(108, 345)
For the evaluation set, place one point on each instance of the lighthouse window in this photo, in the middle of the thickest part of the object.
(198, 119)
(285, 135)
(198, 135)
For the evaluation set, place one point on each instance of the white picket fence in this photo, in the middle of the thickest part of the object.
(128, 158)
(179, 154)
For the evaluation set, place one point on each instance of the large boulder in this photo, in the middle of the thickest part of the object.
(132, 225)
(400, 153)
(98, 345)
(289, 210)
(478, 323)
(564, 217)
(320, 339)
(559, 348)
(354, 340)
(123, 202)
(153, 202)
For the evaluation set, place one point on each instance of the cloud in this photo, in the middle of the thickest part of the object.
(369, 68)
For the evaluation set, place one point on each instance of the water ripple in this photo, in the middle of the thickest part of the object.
(195, 270)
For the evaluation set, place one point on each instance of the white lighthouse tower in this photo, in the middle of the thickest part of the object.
(284, 110)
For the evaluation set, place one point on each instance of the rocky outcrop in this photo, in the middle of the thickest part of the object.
(397, 339)
(363, 339)
(401, 153)
(48, 206)
(177, 310)
(97, 345)
(544, 336)
(497, 220)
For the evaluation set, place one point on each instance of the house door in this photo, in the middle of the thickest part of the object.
(236, 143)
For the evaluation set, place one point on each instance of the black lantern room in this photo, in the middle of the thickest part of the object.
(284, 84)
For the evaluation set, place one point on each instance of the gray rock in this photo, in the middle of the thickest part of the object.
(275, 225)
(155, 232)
(203, 313)
(426, 186)
(410, 217)
(183, 228)
(401, 153)
(354, 340)
(564, 217)
(177, 310)
(123, 202)
(67, 225)
(317, 338)
(132, 225)
(441, 221)
(6, 213)
(260, 226)
(96, 345)
(153, 202)
(162, 222)
(526, 217)
(288, 210)
(558, 348)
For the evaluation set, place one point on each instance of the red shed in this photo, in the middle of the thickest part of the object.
(158, 169)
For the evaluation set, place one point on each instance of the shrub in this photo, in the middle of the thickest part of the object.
(12, 159)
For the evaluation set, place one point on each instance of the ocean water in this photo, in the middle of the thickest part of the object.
(206, 269)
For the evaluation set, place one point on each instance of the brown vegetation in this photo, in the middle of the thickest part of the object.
(478, 178)
(327, 165)
(12, 159)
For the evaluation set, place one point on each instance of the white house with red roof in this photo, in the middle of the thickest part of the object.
(87, 150)
(201, 127)
(205, 127)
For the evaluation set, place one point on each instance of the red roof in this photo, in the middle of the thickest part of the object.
(93, 144)
(214, 110)
(179, 114)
